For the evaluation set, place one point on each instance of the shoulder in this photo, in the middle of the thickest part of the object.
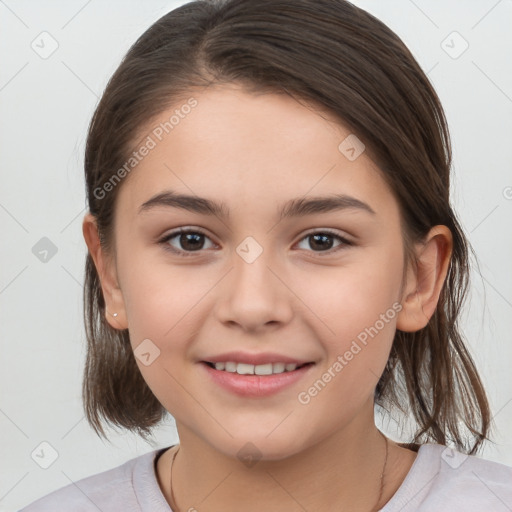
(111, 490)
(444, 479)
(480, 481)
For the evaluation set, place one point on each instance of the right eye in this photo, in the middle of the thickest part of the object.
(190, 239)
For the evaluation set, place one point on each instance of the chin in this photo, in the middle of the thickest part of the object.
(251, 448)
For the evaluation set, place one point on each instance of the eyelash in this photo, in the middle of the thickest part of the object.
(185, 254)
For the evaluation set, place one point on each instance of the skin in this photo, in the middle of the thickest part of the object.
(254, 152)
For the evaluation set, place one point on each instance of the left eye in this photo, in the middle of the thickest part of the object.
(193, 241)
(321, 240)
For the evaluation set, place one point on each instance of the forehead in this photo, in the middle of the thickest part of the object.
(247, 150)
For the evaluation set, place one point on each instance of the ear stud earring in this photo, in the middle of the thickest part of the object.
(114, 315)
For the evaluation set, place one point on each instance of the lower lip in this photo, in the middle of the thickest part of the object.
(256, 385)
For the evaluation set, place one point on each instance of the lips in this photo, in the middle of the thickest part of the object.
(255, 375)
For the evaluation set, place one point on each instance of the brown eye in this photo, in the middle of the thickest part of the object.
(322, 241)
(187, 240)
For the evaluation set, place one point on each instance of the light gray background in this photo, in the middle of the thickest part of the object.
(45, 107)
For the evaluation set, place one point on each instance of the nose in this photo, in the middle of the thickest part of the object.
(254, 295)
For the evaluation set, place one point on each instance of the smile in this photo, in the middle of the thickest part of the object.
(251, 369)
(256, 380)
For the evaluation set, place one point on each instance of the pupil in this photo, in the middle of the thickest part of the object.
(321, 237)
(186, 238)
(320, 241)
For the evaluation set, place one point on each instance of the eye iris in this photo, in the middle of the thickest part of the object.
(194, 241)
(188, 237)
(321, 237)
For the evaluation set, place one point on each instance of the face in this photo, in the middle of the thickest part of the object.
(250, 288)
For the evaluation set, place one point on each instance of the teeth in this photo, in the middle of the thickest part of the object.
(231, 367)
(245, 369)
(278, 367)
(263, 369)
(259, 369)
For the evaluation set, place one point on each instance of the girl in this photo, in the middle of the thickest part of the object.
(272, 254)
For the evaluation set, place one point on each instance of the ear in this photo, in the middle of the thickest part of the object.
(114, 301)
(424, 284)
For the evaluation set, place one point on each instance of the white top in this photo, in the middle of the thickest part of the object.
(439, 480)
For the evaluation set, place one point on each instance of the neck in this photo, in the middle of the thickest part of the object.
(343, 469)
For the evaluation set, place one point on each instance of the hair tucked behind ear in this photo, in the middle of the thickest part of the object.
(334, 55)
(113, 387)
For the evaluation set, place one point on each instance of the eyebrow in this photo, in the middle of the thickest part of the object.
(297, 207)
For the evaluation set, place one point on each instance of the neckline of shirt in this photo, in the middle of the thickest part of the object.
(151, 498)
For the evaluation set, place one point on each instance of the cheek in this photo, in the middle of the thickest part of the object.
(163, 310)
(353, 297)
(165, 304)
(163, 307)
(357, 330)
(154, 293)
(358, 307)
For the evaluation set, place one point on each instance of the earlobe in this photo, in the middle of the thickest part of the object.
(425, 282)
(115, 313)
(116, 320)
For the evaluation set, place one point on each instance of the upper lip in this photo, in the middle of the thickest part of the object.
(255, 359)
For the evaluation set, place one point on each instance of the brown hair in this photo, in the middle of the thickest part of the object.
(343, 59)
